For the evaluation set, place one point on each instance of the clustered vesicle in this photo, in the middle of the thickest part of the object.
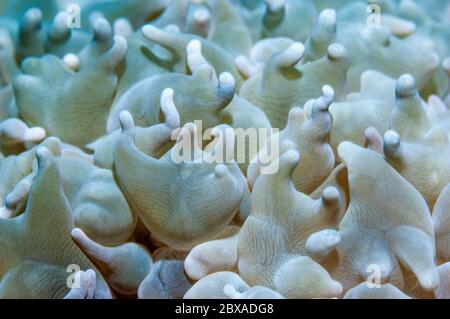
(344, 192)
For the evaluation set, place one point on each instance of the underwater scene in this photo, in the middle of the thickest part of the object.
(224, 149)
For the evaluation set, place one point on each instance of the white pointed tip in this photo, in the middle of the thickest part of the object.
(150, 31)
(120, 43)
(44, 156)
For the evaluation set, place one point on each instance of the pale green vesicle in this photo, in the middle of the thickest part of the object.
(308, 134)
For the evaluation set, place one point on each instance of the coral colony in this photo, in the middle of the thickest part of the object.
(238, 149)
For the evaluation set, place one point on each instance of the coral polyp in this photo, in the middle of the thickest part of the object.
(226, 149)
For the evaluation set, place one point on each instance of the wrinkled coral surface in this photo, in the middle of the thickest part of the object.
(227, 149)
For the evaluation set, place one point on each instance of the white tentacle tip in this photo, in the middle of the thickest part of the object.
(44, 157)
(202, 16)
(331, 196)
(296, 115)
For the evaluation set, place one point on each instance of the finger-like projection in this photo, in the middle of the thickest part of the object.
(30, 35)
(14, 131)
(167, 279)
(386, 291)
(149, 140)
(134, 10)
(419, 151)
(61, 39)
(387, 224)
(98, 205)
(227, 28)
(200, 96)
(215, 255)
(124, 267)
(245, 117)
(86, 288)
(182, 199)
(283, 83)
(277, 261)
(72, 106)
(176, 43)
(28, 268)
(16, 176)
(289, 18)
(370, 107)
(228, 285)
(441, 220)
(102, 40)
(309, 136)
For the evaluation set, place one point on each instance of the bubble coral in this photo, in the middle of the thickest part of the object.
(236, 149)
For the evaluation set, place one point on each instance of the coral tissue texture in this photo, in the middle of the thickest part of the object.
(232, 149)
